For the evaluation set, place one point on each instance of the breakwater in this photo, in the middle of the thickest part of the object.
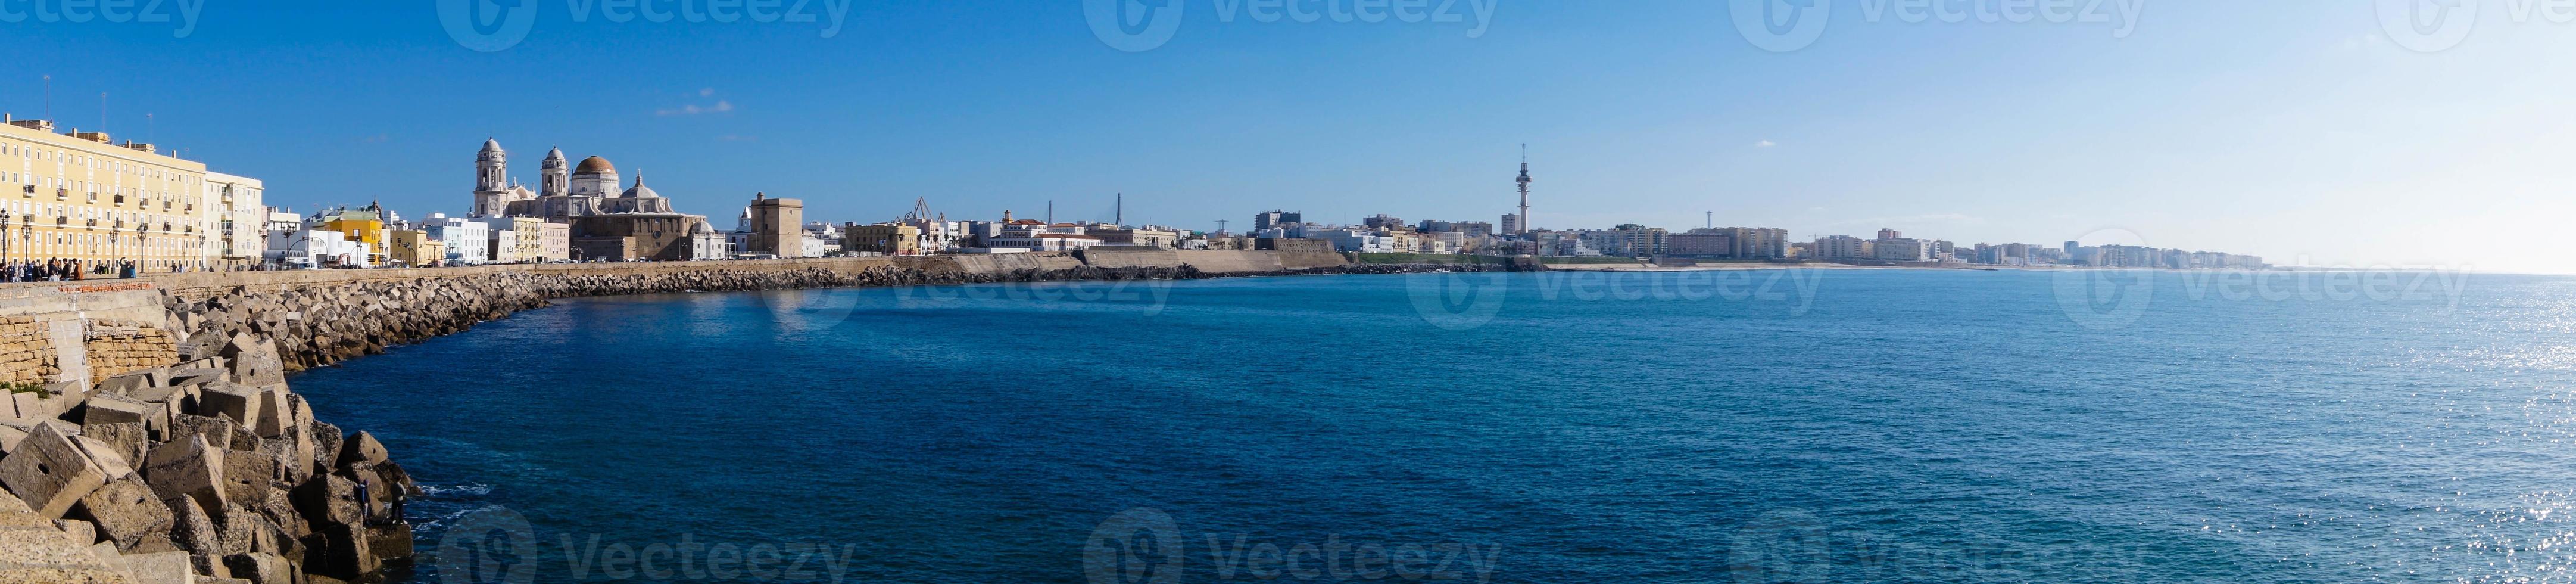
(149, 432)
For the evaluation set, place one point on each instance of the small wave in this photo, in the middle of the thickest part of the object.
(470, 490)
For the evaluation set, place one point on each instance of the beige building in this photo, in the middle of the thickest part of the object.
(414, 248)
(238, 215)
(777, 226)
(82, 196)
(894, 239)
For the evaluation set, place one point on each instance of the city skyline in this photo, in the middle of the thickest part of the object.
(1033, 107)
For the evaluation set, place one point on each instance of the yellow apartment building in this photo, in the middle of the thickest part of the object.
(79, 195)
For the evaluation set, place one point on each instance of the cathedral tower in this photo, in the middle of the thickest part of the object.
(491, 179)
(558, 176)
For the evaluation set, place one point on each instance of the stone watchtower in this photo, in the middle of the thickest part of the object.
(777, 226)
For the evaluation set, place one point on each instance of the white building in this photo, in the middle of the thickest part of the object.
(467, 241)
(237, 218)
(315, 248)
(1033, 235)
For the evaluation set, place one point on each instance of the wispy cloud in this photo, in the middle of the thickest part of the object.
(721, 106)
(1765, 144)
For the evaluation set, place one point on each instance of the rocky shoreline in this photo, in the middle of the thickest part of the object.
(186, 458)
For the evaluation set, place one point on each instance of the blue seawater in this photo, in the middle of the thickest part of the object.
(1758, 426)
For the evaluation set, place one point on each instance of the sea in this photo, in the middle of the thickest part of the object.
(1704, 426)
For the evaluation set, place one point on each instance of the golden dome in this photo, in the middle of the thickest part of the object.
(594, 164)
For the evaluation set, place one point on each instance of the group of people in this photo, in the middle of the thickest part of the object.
(59, 269)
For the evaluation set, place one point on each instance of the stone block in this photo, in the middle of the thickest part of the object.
(82, 533)
(128, 383)
(248, 476)
(125, 512)
(326, 446)
(291, 451)
(115, 464)
(247, 531)
(390, 542)
(188, 467)
(195, 375)
(255, 362)
(163, 404)
(196, 532)
(107, 408)
(343, 554)
(126, 439)
(170, 567)
(260, 568)
(217, 431)
(273, 418)
(50, 472)
(229, 400)
(362, 447)
(328, 500)
(14, 431)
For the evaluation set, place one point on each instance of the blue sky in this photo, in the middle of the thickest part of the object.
(2285, 129)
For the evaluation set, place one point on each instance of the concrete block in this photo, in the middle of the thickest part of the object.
(362, 447)
(330, 499)
(50, 472)
(327, 441)
(217, 431)
(108, 408)
(229, 400)
(159, 568)
(273, 418)
(196, 532)
(390, 541)
(188, 467)
(82, 533)
(248, 476)
(260, 568)
(126, 439)
(191, 376)
(343, 553)
(125, 512)
(115, 464)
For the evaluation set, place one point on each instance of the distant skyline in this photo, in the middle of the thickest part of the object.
(2288, 132)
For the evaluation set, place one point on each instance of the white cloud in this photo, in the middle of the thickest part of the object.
(1765, 144)
(721, 106)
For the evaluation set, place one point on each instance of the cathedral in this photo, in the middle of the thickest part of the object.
(610, 224)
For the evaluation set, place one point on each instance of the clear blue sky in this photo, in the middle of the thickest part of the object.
(2276, 128)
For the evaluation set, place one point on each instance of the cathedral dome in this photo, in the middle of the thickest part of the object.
(641, 192)
(594, 164)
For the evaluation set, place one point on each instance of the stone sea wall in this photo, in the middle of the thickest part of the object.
(149, 435)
